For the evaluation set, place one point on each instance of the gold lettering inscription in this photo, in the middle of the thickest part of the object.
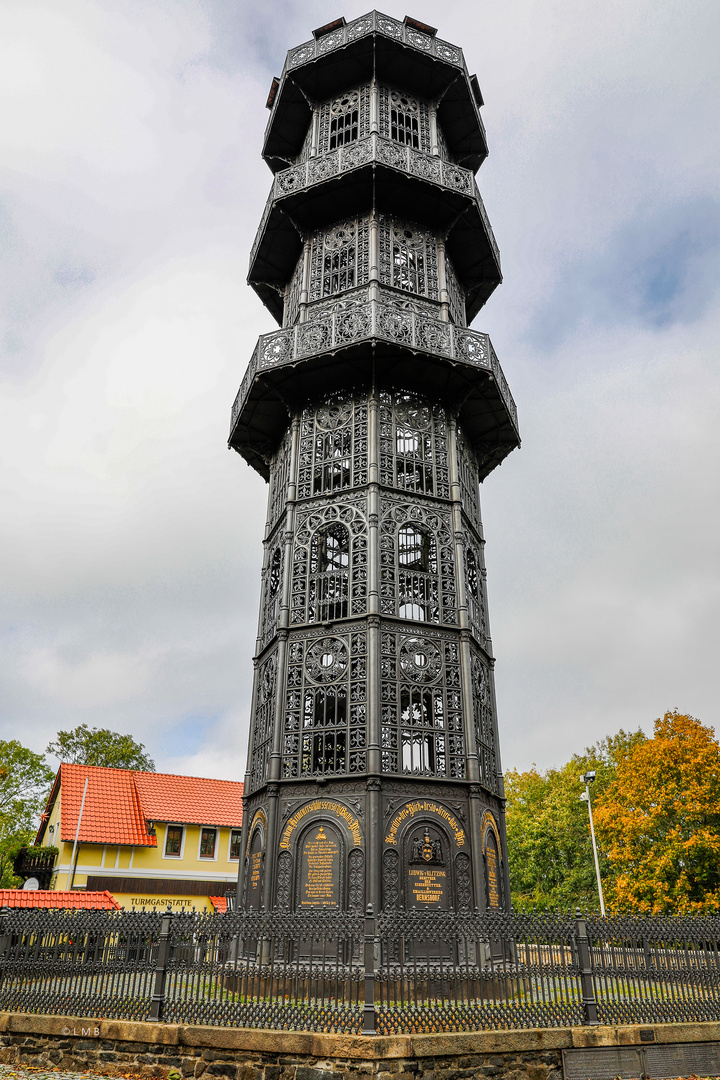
(428, 886)
(255, 862)
(492, 877)
(322, 871)
(318, 805)
(424, 807)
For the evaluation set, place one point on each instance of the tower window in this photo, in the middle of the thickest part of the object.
(413, 548)
(417, 575)
(421, 713)
(324, 750)
(333, 460)
(344, 116)
(329, 570)
(404, 120)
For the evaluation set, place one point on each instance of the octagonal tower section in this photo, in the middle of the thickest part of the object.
(373, 770)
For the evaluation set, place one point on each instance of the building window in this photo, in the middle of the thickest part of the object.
(207, 843)
(329, 569)
(235, 843)
(173, 840)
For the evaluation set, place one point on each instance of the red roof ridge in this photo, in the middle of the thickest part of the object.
(58, 898)
(145, 772)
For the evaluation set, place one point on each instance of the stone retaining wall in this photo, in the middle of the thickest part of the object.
(174, 1051)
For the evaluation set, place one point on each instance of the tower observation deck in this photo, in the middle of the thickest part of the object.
(373, 769)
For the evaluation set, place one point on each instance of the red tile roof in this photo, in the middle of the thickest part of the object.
(50, 898)
(120, 802)
(219, 904)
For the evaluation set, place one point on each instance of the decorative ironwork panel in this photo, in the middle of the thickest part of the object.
(333, 446)
(475, 591)
(324, 728)
(417, 571)
(291, 307)
(468, 476)
(404, 118)
(422, 722)
(271, 590)
(413, 444)
(330, 562)
(408, 257)
(279, 477)
(455, 294)
(345, 119)
(484, 722)
(263, 720)
(356, 880)
(340, 259)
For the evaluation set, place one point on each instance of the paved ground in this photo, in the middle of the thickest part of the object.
(28, 1072)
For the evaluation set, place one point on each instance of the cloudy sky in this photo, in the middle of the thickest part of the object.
(130, 190)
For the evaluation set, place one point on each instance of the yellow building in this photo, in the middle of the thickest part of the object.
(151, 839)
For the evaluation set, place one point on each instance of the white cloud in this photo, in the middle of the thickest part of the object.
(130, 190)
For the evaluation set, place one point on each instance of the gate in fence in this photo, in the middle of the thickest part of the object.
(418, 971)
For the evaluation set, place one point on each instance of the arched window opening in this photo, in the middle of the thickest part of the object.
(413, 451)
(323, 749)
(344, 115)
(333, 460)
(329, 570)
(274, 579)
(404, 120)
(339, 260)
(413, 548)
(421, 714)
(417, 575)
(408, 260)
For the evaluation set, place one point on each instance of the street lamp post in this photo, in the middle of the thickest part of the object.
(587, 779)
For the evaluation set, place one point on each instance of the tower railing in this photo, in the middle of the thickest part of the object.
(367, 319)
(325, 970)
(371, 150)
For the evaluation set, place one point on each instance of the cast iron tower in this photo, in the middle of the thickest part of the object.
(373, 766)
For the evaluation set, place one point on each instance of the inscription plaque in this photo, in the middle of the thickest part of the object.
(255, 872)
(320, 869)
(428, 887)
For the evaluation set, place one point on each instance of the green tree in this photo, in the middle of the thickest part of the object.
(24, 783)
(100, 746)
(659, 821)
(549, 847)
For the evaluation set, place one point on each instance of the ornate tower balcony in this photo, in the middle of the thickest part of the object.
(374, 412)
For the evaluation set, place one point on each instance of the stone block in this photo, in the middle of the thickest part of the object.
(222, 1068)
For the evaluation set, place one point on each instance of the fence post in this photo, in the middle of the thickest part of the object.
(157, 1003)
(369, 963)
(587, 982)
(5, 940)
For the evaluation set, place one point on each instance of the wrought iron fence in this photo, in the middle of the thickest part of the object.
(329, 971)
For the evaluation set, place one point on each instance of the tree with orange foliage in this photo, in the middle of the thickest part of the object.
(659, 821)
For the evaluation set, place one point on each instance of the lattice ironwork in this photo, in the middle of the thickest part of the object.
(325, 706)
(385, 322)
(417, 571)
(263, 721)
(432, 970)
(330, 562)
(413, 444)
(484, 722)
(422, 720)
(333, 446)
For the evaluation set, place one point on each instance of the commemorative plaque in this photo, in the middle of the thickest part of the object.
(427, 874)
(320, 869)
